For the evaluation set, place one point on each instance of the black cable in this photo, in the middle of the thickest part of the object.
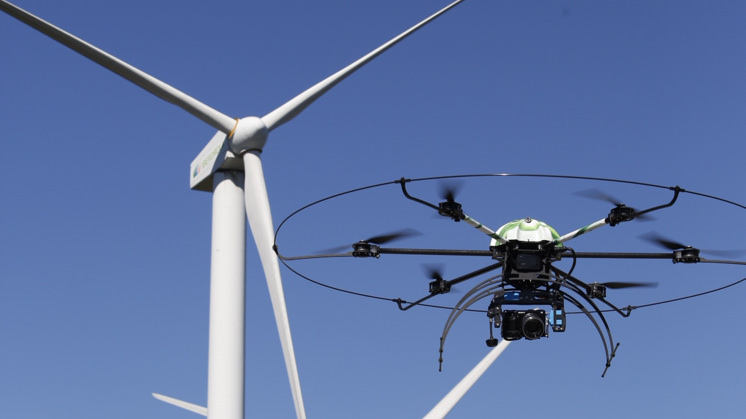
(673, 300)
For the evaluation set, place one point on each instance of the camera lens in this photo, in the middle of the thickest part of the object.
(532, 326)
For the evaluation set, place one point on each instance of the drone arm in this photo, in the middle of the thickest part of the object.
(580, 231)
(375, 251)
(475, 273)
(456, 216)
(447, 286)
(435, 252)
(484, 229)
(622, 255)
(614, 219)
(578, 284)
(569, 281)
(676, 256)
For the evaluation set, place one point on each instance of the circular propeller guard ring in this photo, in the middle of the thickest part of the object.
(451, 192)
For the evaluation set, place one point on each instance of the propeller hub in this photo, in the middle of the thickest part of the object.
(686, 255)
(596, 290)
(451, 209)
(250, 133)
(621, 214)
(440, 286)
(365, 249)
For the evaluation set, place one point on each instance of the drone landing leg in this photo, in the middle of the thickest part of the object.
(492, 342)
(608, 364)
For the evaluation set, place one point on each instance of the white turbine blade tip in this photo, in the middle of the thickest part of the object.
(182, 404)
(454, 396)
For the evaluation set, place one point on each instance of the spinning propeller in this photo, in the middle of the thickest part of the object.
(368, 247)
(620, 285)
(685, 253)
(598, 289)
(438, 285)
(620, 212)
(663, 242)
(391, 237)
(450, 208)
(669, 244)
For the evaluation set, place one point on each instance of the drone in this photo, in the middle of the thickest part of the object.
(527, 293)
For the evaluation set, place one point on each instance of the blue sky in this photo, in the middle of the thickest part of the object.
(105, 268)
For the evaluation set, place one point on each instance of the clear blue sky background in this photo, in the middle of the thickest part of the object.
(105, 256)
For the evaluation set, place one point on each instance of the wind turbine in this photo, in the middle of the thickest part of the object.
(230, 167)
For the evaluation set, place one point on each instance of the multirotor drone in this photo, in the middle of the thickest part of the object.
(528, 294)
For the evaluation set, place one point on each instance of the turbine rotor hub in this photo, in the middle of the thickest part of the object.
(250, 133)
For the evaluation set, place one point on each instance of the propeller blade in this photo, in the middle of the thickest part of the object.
(662, 241)
(449, 190)
(598, 195)
(620, 285)
(378, 240)
(296, 105)
(439, 285)
(669, 244)
(433, 270)
(260, 221)
(164, 91)
(603, 196)
(394, 236)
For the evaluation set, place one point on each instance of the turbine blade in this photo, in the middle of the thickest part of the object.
(182, 404)
(260, 221)
(164, 91)
(454, 396)
(295, 106)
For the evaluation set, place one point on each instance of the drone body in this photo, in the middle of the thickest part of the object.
(526, 247)
(526, 229)
(528, 292)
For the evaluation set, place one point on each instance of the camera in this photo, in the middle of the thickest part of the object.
(529, 324)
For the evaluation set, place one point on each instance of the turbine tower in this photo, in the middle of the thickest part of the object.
(229, 166)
